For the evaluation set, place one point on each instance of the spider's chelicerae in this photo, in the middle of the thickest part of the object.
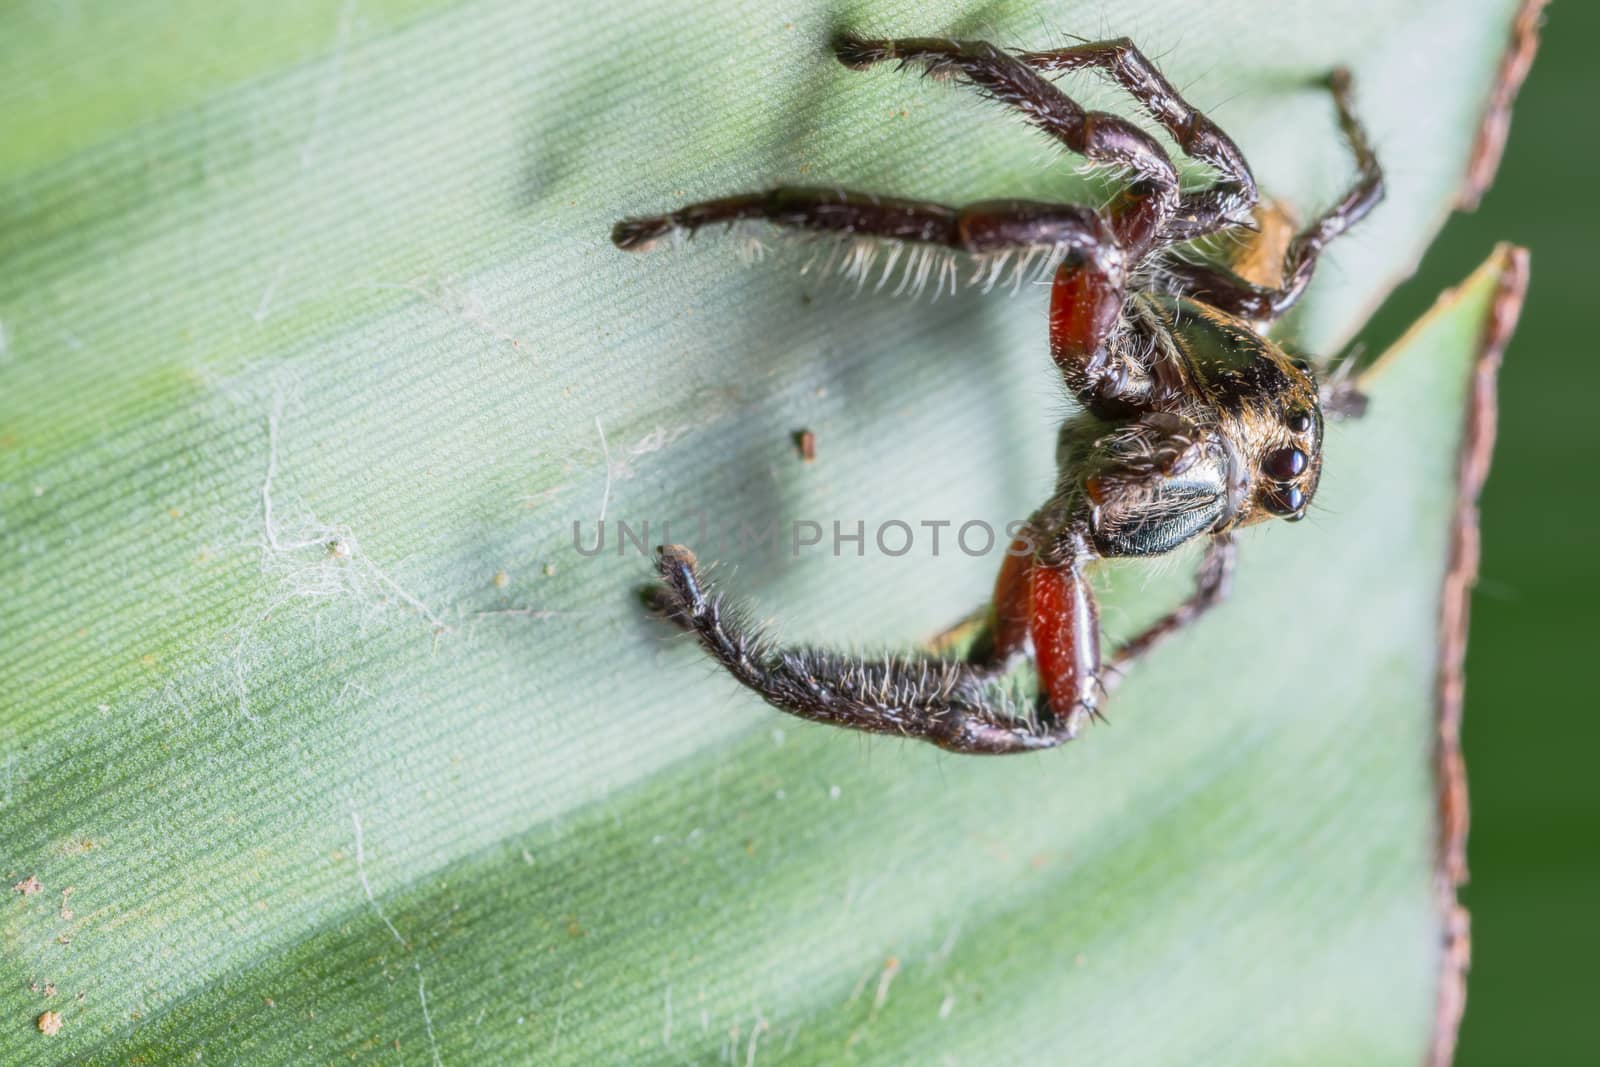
(1191, 423)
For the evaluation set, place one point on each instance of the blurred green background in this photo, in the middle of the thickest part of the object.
(1535, 838)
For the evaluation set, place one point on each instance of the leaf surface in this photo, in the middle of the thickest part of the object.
(312, 351)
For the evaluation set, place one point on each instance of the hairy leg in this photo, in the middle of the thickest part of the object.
(951, 704)
(1064, 623)
(1225, 290)
(1098, 136)
(1202, 211)
(1089, 300)
(1213, 580)
(986, 226)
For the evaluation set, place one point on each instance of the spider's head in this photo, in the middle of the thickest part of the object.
(1233, 437)
(1266, 410)
(1273, 434)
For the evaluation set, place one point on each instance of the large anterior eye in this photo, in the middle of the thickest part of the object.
(1286, 500)
(1284, 464)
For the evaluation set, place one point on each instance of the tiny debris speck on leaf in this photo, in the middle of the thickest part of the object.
(50, 1023)
(28, 886)
(806, 441)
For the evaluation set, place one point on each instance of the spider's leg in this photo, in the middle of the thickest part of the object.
(1213, 580)
(990, 227)
(1045, 599)
(981, 657)
(1088, 301)
(1225, 290)
(947, 703)
(1098, 136)
(975, 636)
(1199, 212)
(1358, 200)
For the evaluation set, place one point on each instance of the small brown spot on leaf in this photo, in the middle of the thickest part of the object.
(50, 1023)
(28, 886)
(806, 442)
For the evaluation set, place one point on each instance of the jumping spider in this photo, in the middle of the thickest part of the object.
(1192, 423)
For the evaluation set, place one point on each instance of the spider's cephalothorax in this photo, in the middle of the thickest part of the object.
(1228, 433)
(1192, 423)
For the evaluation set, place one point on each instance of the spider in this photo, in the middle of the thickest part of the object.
(1190, 423)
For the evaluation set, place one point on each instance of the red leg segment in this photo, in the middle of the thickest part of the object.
(1010, 605)
(1053, 605)
(1084, 305)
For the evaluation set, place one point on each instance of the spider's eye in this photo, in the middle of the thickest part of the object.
(1303, 365)
(1287, 500)
(1298, 421)
(1284, 464)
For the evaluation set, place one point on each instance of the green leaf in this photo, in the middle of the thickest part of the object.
(309, 334)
